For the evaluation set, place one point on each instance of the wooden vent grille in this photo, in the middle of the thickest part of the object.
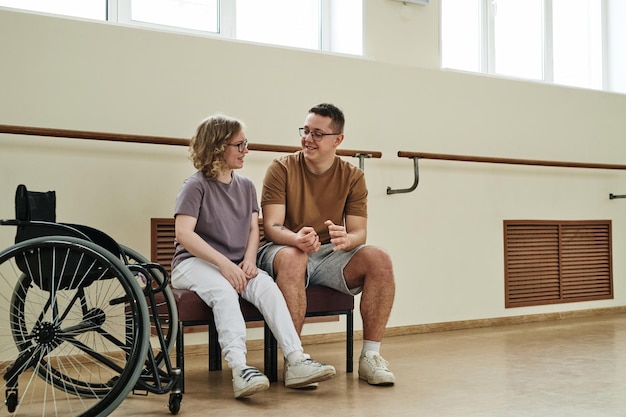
(162, 234)
(162, 246)
(550, 262)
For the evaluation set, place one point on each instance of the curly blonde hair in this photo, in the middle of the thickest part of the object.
(209, 142)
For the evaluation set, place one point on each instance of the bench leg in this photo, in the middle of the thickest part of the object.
(349, 341)
(270, 354)
(215, 351)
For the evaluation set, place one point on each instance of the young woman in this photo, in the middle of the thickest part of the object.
(217, 237)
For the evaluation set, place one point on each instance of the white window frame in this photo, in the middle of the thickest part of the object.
(487, 45)
(120, 11)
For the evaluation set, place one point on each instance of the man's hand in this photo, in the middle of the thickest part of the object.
(307, 240)
(338, 236)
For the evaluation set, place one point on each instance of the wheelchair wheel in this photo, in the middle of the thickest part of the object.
(73, 328)
(164, 308)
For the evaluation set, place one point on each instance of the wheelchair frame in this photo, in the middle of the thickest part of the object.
(83, 322)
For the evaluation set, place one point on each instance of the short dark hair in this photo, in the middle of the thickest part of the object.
(332, 111)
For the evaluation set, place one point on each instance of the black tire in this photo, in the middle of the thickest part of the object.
(77, 319)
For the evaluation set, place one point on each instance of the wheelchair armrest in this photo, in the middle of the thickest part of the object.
(38, 223)
(37, 228)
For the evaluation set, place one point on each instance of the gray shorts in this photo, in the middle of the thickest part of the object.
(324, 267)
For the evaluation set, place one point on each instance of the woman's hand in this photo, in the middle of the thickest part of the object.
(249, 268)
(235, 275)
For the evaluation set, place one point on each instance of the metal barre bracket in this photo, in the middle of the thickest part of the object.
(614, 196)
(362, 157)
(415, 181)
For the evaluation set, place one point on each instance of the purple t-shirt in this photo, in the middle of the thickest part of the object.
(223, 213)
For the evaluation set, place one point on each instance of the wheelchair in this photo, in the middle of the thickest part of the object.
(83, 320)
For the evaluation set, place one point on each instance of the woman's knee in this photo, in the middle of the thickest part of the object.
(260, 284)
(219, 295)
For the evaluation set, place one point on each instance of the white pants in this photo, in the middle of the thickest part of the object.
(206, 280)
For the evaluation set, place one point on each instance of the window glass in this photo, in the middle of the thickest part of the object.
(518, 38)
(346, 27)
(189, 14)
(281, 22)
(88, 9)
(461, 34)
(577, 40)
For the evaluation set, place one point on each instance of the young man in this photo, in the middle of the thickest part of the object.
(315, 217)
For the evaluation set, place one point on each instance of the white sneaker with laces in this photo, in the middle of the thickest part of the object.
(374, 369)
(249, 381)
(306, 372)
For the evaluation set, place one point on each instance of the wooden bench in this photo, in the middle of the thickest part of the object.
(192, 311)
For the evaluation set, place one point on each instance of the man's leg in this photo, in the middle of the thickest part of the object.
(372, 269)
(290, 276)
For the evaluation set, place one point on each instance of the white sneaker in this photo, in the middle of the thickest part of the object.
(249, 381)
(374, 369)
(306, 372)
(311, 386)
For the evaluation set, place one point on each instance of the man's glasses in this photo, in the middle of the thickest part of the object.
(316, 135)
(240, 146)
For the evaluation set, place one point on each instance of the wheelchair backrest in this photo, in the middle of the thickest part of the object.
(34, 205)
(36, 215)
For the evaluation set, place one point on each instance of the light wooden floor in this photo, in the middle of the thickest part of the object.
(574, 367)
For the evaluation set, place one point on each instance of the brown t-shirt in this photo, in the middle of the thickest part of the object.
(311, 199)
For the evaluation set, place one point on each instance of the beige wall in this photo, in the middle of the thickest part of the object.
(402, 33)
(445, 237)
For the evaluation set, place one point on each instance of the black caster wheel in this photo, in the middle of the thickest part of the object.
(11, 402)
(174, 403)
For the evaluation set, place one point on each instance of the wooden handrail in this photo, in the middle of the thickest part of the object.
(416, 156)
(159, 140)
(514, 161)
(82, 134)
